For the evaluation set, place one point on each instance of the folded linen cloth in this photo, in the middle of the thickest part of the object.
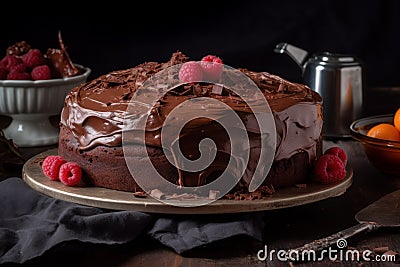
(32, 223)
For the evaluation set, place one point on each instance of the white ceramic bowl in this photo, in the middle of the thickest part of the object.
(31, 103)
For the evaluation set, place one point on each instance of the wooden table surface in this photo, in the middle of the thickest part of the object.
(284, 229)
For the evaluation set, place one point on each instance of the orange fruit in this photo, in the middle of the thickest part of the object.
(396, 119)
(384, 131)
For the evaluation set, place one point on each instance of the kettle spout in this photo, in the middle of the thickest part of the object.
(297, 54)
(280, 48)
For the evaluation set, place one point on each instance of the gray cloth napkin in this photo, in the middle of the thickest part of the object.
(32, 223)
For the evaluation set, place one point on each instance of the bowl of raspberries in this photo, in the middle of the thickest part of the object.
(33, 86)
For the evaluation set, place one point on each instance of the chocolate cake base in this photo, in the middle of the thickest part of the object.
(106, 167)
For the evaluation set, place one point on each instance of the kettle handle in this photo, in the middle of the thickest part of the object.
(297, 54)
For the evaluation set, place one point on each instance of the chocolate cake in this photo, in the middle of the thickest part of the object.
(92, 124)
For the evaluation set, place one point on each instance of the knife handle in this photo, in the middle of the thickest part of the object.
(337, 240)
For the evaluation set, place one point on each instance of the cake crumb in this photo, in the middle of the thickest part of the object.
(266, 190)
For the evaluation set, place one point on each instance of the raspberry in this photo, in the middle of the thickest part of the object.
(70, 173)
(33, 58)
(51, 166)
(41, 72)
(212, 67)
(10, 61)
(190, 71)
(15, 75)
(337, 151)
(3, 73)
(19, 68)
(328, 169)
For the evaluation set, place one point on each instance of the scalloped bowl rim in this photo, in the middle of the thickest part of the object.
(46, 83)
(371, 140)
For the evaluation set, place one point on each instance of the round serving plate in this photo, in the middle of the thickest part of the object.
(120, 200)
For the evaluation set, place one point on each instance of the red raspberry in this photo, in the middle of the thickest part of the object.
(70, 173)
(41, 72)
(212, 67)
(3, 73)
(51, 166)
(10, 61)
(19, 68)
(190, 71)
(337, 151)
(33, 58)
(328, 169)
(15, 75)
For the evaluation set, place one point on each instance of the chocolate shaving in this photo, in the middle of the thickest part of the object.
(229, 196)
(199, 90)
(140, 194)
(177, 58)
(185, 91)
(243, 194)
(240, 196)
(381, 250)
(110, 78)
(272, 83)
(255, 196)
(281, 88)
(266, 190)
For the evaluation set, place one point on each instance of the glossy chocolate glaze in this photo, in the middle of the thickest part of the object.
(60, 61)
(94, 113)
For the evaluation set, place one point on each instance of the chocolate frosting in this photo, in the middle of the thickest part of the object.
(94, 112)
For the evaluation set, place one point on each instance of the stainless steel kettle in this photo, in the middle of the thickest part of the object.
(338, 78)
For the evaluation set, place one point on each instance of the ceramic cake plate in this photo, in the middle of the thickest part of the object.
(120, 200)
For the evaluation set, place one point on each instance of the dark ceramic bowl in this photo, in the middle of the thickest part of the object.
(383, 154)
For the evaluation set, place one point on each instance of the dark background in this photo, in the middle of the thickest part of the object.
(116, 35)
